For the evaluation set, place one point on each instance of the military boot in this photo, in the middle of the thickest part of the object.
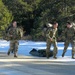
(54, 57)
(8, 53)
(73, 56)
(63, 54)
(12, 51)
(15, 55)
(47, 56)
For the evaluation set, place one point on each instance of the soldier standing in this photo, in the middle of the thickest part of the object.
(69, 34)
(14, 35)
(52, 39)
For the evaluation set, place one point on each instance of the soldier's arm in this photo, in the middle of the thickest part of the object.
(74, 33)
(62, 36)
(54, 33)
(9, 33)
(21, 33)
(48, 34)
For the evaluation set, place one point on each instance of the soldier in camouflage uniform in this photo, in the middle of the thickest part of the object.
(14, 35)
(52, 39)
(69, 34)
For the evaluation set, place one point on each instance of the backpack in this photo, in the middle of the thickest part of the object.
(19, 33)
(46, 28)
(73, 25)
(5, 37)
(40, 52)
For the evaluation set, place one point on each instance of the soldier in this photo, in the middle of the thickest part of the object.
(5, 37)
(69, 34)
(14, 35)
(51, 39)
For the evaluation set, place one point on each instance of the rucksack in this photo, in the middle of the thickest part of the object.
(19, 33)
(46, 28)
(5, 37)
(73, 25)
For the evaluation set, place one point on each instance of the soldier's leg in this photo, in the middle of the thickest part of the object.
(48, 48)
(16, 48)
(66, 44)
(55, 49)
(11, 47)
(73, 49)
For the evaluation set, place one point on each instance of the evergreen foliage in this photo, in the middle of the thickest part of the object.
(34, 14)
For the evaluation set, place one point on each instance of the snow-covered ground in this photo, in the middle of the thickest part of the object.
(32, 65)
(26, 46)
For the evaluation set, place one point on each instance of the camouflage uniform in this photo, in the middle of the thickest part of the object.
(14, 46)
(16, 35)
(52, 33)
(69, 34)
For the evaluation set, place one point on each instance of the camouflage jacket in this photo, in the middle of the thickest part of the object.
(52, 33)
(14, 34)
(68, 34)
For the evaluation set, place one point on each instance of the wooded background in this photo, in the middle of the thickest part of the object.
(32, 15)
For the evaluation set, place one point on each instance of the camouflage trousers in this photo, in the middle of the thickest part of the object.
(49, 43)
(66, 44)
(13, 46)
